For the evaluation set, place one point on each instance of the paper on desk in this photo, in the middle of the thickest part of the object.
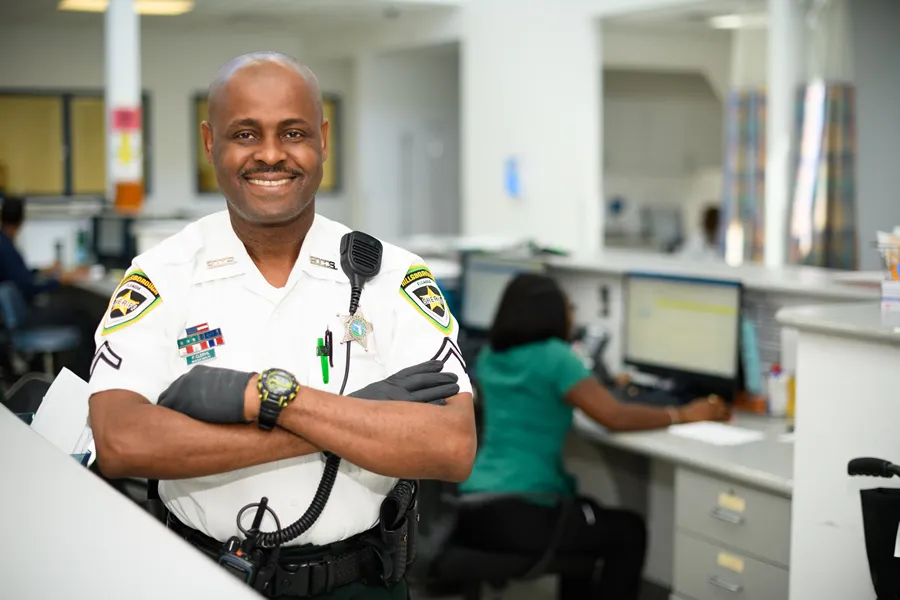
(717, 434)
(62, 417)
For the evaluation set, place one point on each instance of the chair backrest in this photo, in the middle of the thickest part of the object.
(437, 522)
(13, 306)
(26, 395)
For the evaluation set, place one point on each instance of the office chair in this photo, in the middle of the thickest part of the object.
(442, 561)
(32, 341)
(470, 568)
(26, 394)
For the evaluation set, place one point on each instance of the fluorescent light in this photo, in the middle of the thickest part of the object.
(83, 5)
(143, 7)
(744, 21)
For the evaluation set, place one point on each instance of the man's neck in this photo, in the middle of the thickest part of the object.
(9, 232)
(274, 248)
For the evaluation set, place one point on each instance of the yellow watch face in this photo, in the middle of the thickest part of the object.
(279, 385)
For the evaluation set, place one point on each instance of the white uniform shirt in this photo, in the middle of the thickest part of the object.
(201, 279)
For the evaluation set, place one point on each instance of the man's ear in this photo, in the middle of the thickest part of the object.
(206, 132)
(325, 125)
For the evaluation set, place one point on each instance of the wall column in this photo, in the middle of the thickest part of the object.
(124, 120)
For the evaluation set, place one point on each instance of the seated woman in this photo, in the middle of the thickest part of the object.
(530, 382)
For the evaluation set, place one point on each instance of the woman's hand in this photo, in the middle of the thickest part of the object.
(709, 408)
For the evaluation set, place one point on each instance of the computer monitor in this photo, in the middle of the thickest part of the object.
(113, 241)
(484, 278)
(685, 329)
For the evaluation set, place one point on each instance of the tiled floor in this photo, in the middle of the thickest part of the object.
(542, 589)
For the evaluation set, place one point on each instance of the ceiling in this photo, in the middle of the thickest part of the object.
(690, 16)
(281, 14)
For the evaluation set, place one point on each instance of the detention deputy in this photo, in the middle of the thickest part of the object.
(221, 331)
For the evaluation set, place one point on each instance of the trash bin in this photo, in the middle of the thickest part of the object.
(881, 519)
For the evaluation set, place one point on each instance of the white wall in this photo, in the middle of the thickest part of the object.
(408, 141)
(663, 144)
(660, 49)
(175, 66)
(748, 58)
(876, 47)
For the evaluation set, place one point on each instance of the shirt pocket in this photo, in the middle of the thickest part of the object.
(367, 364)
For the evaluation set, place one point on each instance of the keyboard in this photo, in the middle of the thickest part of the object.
(633, 394)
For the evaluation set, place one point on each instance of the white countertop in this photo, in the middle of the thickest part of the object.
(800, 280)
(53, 505)
(859, 320)
(767, 464)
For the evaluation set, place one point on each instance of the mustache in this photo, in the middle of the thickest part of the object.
(273, 169)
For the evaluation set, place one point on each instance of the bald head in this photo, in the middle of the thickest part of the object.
(235, 65)
(266, 137)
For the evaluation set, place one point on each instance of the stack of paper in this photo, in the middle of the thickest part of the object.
(62, 417)
(717, 434)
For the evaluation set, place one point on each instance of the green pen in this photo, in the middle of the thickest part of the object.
(322, 353)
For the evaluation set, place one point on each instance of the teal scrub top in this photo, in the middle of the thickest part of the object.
(526, 418)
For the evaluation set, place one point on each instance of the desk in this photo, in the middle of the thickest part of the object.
(848, 357)
(73, 536)
(103, 287)
(719, 514)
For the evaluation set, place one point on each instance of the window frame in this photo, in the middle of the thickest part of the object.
(66, 96)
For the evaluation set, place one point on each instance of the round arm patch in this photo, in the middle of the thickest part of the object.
(133, 299)
(420, 290)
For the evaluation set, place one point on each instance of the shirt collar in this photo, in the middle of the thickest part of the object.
(320, 255)
(223, 254)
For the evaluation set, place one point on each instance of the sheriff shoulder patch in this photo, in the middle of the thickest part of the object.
(134, 298)
(420, 290)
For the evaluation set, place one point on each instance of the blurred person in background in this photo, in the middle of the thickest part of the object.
(49, 305)
(704, 245)
(30, 282)
(530, 382)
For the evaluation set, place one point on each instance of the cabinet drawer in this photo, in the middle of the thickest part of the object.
(704, 571)
(739, 517)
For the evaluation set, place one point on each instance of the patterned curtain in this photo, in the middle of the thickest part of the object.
(744, 176)
(823, 221)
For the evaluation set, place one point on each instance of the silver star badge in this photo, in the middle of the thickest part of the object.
(356, 329)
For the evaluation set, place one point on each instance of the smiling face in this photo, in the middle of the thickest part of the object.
(267, 140)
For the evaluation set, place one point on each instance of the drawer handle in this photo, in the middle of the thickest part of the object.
(720, 583)
(727, 516)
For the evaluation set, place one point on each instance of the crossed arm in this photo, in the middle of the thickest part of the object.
(136, 438)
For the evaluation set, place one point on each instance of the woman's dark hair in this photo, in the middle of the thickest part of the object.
(12, 212)
(533, 309)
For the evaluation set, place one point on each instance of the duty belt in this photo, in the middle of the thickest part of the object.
(378, 556)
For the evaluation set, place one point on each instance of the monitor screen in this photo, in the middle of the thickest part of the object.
(110, 236)
(484, 278)
(683, 326)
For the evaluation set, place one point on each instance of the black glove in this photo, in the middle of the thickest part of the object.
(208, 394)
(423, 382)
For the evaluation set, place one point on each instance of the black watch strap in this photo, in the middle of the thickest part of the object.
(268, 414)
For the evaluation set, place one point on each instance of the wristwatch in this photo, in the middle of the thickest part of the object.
(277, 388)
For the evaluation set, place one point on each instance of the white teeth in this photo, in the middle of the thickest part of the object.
(266, 183)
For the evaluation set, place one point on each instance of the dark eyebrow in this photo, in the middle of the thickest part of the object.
(256, 124)
(294, 121)
(245, 123)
